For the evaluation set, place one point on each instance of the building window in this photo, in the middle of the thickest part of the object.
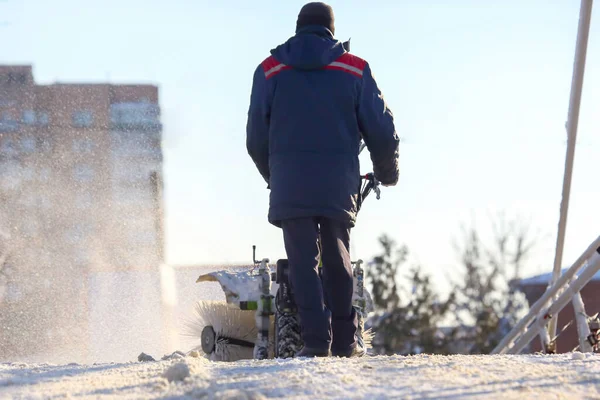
(27, 200)
(28, 144)
(13, 292)
(79, 232)
(29, 117)
(44, 143)
(15, 77)
(45, 174)
(30, 227)
(133, 144)
(126, 196)
(132, 173)
(81, 255)
(45, 202)
(143, 238)
(43, 119)
(83, 173)
(11, 175)
(83, 119)
(27, 174)
(8, 146)
(134, 113)
(83, 200)
(8, 123)
(85, 145)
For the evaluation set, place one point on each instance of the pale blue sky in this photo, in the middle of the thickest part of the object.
(479, 90)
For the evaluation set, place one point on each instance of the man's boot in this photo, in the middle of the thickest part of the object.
(310, 352)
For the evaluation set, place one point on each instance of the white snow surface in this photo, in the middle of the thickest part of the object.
(572, 376)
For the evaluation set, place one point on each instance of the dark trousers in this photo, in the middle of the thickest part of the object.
(327, 317)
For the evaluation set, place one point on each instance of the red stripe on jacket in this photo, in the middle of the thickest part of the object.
(272, 67)
(346, 62)
(352, 60)
(349, 63)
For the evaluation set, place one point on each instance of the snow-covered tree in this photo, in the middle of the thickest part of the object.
(406, 321)
(489, 303)
(383, 274)
(483, 305)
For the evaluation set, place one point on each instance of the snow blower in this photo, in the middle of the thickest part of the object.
(259, 319)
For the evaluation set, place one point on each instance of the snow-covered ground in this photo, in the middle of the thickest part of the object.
(574, 376)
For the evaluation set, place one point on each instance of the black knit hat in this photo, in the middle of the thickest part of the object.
(316, 13)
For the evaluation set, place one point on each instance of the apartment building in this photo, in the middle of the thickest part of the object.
(80, 193)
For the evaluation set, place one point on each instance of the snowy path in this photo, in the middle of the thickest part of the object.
(440, 377)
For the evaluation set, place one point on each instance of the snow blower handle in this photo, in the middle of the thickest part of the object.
(371, 184)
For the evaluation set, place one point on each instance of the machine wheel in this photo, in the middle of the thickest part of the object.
(288, 339)
(208, 339)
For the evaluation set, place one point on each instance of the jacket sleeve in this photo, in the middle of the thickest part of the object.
(257, 127)
(376, 123)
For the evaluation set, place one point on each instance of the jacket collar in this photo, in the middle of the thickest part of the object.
(315, 30)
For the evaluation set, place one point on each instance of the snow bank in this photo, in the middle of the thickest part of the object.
(380, 377)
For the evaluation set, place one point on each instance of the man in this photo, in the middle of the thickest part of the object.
(311, 104)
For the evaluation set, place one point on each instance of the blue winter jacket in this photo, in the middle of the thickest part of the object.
(311, 103)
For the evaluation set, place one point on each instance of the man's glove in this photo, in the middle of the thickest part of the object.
(386, 184)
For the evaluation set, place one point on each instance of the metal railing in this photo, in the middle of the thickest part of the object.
(563, 289)
(556, 297)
